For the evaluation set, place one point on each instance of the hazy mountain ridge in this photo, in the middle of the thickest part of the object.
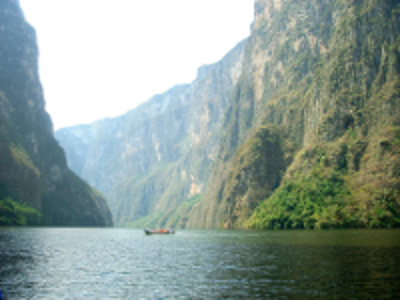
(36, 186)
(298, 129)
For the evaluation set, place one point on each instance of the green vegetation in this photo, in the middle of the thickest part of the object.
(323, 201)
(21, 157)
(349, 185)
(316, 201)
(192, 201)
(15, 214)
(178, 217)
(149, 221)
(175, 218)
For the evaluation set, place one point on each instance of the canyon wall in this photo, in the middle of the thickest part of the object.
(36, 186)
(297, 127)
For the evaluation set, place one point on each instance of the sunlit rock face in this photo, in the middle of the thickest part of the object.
(33, 168)
(307, 105)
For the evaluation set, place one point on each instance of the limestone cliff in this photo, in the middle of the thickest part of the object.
(316, 113)
(36, 186)
(297, 127)
(152, 160)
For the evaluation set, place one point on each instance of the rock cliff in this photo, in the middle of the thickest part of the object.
(297, 127)
(316, 104)
(36, 186)
(152, 160)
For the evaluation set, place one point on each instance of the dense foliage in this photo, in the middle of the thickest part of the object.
(341, 189)
(322, 201)
(16, 214)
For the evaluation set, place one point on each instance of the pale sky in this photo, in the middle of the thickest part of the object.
(101, 58)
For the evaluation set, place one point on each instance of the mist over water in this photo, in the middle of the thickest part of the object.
(125, 263)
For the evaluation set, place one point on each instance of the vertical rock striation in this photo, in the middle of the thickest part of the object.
(321, 84)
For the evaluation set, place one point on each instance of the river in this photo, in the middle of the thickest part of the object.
(113, 263)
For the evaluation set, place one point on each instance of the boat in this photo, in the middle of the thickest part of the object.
(159, 231)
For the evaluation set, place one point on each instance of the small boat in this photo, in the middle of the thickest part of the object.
(159, 231)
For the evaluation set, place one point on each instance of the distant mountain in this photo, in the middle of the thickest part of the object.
(297, 127)
(36, 186)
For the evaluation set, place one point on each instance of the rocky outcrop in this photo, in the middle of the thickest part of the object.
(33, 170)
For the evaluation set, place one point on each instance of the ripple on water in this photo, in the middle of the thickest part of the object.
(122, 263)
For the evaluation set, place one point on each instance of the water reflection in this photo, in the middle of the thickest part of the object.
(16, 260)
(122, 263)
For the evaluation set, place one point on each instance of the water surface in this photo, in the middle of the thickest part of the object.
(125, 263)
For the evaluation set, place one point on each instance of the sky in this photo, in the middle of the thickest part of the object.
(101, 58)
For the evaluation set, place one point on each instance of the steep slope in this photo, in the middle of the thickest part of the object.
(151, 161)
(318, 100)
(298, 129)
(36, 187)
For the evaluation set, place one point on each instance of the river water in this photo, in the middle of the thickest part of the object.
(57, 263)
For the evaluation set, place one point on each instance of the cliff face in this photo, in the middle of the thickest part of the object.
(36, 187)
(298, 127)
(152, 160)
(321, 85)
